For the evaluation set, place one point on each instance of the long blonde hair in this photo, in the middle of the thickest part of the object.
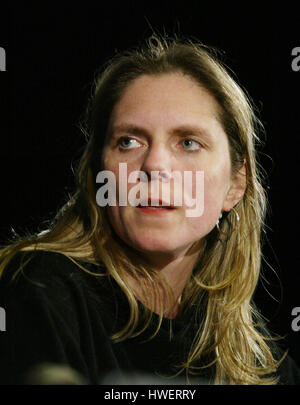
(228, 268)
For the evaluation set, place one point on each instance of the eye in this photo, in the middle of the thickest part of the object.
(128, 143)
(190, 144)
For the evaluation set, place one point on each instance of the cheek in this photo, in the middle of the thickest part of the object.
(114, 218)
(122, 186)
(211, 191)
(216, 186)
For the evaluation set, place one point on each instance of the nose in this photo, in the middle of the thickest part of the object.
(157, 162)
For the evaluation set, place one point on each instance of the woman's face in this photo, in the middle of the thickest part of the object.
(168, 123)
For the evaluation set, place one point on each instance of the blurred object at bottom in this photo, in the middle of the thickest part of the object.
(53, 374)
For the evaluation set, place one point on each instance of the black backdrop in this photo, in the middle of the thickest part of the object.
(51, 56)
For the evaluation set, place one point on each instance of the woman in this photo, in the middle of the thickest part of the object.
(137, 293)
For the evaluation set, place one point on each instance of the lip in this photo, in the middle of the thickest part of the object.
(154, 202)
(156, 208)
(155, 211)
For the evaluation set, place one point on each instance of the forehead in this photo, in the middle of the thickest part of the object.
(170, 95)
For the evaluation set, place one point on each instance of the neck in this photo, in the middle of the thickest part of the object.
(175, 270)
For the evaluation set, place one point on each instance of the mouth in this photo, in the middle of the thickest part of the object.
(155, 205)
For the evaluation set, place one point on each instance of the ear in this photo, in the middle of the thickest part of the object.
(238, 185)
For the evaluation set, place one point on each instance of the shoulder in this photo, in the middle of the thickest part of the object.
(43, 265)
(51, 314)
(46, 273)
(51, 286)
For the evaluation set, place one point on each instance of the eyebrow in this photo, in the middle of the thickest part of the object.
(182, 130)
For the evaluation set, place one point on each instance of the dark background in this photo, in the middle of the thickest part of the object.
(52, 55)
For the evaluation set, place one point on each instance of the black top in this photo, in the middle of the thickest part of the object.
(57, 313)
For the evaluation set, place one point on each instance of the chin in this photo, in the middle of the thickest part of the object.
(155, 245)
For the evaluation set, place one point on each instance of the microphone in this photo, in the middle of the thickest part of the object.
(53, 374)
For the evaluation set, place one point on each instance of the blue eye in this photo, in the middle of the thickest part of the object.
(126, 142)
(190, 144)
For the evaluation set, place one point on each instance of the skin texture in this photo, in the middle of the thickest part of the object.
(169, 123)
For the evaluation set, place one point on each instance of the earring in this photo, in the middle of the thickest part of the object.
(218, 222)
(237, 218)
